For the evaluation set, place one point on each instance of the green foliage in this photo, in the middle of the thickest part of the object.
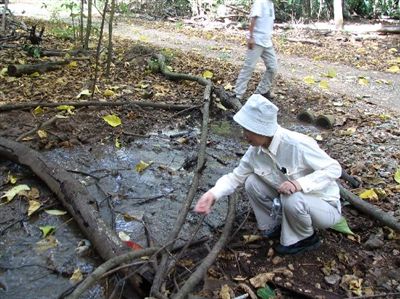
(32, 50)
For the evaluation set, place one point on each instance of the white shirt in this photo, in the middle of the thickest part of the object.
(292, 156)
(263, 10)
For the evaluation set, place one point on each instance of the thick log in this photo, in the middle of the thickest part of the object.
(16, 70)
(389, 30)
(74, 197)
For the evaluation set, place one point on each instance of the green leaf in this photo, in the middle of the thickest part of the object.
(331, 73)
(112, 120)
(309, 80)
(55, 212)
(342, 227)
(266, 293)
(208, 75)
(67, 108)
(397, 176)
(47, 230)
(10, 194)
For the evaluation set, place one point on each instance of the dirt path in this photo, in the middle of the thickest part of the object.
(290, 67)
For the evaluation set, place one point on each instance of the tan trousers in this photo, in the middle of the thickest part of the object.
(301, 212)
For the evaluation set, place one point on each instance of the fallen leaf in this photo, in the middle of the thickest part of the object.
(42, 134)
(72, 64)
(38, 110)
(47, 243)
(228, 87)
(141, 166)
(67, 108)
(324, 84)
(207, 74)
(392, 50)
(225, 292)
(112, 120)
(11, 179)
(85, 92)
(34, 75)
(117, 143)
(109, 93)
(394, 69)
(342, 227)
(56, 212)
(363, 81)
(10, 194)
(77, 276)
(133, 245)
(123, 236)
(397, 176)
(369, 194)
(309, 80)
(47, 230)
(331, 73)
(34, 205)
(260, 280)
(251, 238)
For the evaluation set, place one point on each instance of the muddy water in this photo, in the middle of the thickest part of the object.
(128, 199)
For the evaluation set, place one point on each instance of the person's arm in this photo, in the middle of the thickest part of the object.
(224, 186)
(250, 41)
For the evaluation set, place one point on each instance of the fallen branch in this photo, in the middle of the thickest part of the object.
(42, 125)
(369, 209)
(198, 275)
(305, 41)
(30, 105)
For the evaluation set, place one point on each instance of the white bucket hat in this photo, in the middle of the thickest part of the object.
(258, 115)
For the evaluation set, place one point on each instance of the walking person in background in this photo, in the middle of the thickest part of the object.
(259, 44)
(282, 169)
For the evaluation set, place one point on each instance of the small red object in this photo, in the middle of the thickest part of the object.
(133, 245)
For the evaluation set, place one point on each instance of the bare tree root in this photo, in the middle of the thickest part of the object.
(369, 209)
(198, 275)
(97, 274)
(30, 105)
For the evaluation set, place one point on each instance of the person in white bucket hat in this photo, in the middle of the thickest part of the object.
(282, 169)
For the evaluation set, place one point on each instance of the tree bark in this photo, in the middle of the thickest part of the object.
(338, 14)
(27, 69)
(110, 34)
(88, 24)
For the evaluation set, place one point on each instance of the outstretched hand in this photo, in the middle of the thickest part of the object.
(204, 204)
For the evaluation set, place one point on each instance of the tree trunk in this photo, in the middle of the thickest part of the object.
(110, 43)
(3, 20)
(81, 22)
(338, 14)
(88, 24)
(21, 69)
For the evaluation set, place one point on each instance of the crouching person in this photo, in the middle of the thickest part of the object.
(289, 180)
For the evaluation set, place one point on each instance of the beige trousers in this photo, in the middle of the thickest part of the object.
(301, 212)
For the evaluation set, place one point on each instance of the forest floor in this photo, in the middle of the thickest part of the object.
(348, 75)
